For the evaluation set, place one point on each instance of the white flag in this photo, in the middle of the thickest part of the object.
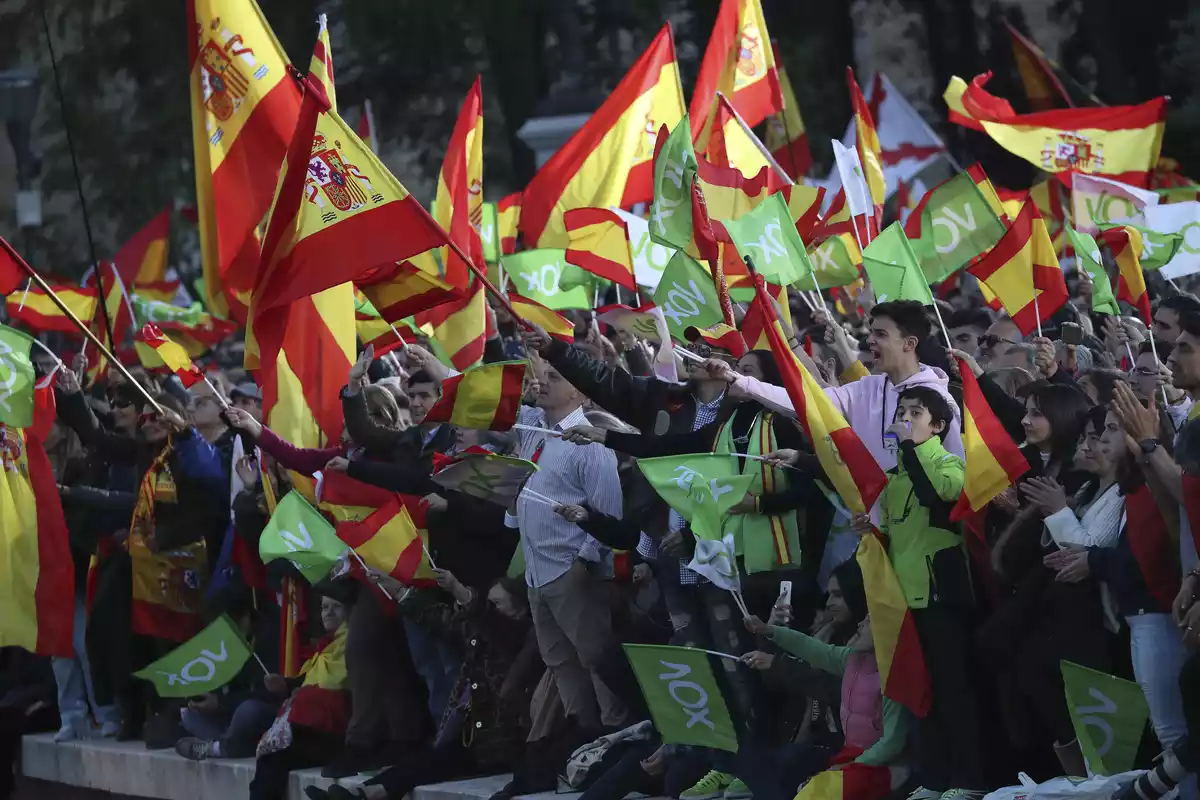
(1100, 200)
(1183, 218)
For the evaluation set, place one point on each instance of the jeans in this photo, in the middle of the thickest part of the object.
(238, 732)
(74, 679)
(436, 663)
(1158, 657)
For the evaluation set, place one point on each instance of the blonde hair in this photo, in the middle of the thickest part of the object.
(605, 420)
(381, 402)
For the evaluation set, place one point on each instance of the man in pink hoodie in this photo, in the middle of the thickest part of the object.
(869, 403)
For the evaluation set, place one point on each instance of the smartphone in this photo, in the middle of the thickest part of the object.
(1072, 333)
(785, 593)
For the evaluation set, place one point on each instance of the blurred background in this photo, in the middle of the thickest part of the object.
(123, 64)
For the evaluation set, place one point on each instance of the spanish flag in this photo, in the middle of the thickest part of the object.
(787, 138)
(12, 274)
(244, 109)
(142, 261)
(119, 311)
(1023, 271)
(754, 326)
(867, 142)
(377, 332)
(739, 62)
(37, 595)
(387, 540)
(400, 290)
(156, 351)
(458, 205)
(485, 398)
(609, 162)
(1119, 142)
(993, 461)
(1043, 89)
(459, 328)
(508, 221)
(848, 465)
(293, 615)
(1125, 241)
(550, 321)
(851, 781)
(162, 291)
(366, 127)
(598, 241)
(37, 312)
(731, 145)
(903, 676)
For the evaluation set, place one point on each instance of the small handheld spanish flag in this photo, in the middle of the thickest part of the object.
(156, 351)
(486, 397)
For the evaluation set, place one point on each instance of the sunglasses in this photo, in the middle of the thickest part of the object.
(121, 403)
(993, 340)
(147, 417)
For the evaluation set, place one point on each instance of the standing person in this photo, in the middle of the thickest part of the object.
(563, 564)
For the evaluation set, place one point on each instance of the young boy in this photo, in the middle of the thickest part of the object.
(928, 555)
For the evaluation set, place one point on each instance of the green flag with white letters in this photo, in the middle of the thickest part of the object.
(299, 533)
(674, 173)
(768, 235)
(683, 695)
(204, 663)
(835, 262)
(1109, 715)
(955, 226)
(1087, 257)
(686, 296)
(16, 378)
(702, 487)
(545, 276)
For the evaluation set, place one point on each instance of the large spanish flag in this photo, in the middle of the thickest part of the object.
(37, 312)
(598, 241)
(458, 205)
(848, 464)
(610, 160)
(142, 261)
(1125, 241)
(903, 676)
(866, 139)
(993, 461)
(485, 398)
(787, 138)
(739, 62)
(37, 595)
(244, 109)
(1119, 142)
(387, 540)
(1023, 271)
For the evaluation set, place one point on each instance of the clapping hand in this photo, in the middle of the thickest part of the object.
(1045, 493)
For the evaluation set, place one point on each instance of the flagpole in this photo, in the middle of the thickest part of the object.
(946, 333)
(770, 159)
(220, 398)
(403, 344)
(1037, 312)
(87, 332)
(87, 226)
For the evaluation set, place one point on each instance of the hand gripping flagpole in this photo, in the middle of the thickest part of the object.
(87, 332)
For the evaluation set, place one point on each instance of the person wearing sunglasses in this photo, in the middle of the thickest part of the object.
(993, 347)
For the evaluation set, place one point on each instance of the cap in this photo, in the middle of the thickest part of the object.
(722, 336)
(248, 390)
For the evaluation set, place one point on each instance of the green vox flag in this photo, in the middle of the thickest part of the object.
(835, 262)
(893, 269)
(489, 233)
(1087, 255)
(299, 533)
(674, 173)
(1157, 248)
(702, 487)
(16, 378)
(687, 296)
(957, 224)
(545, 276)
(1108, 714)
(682, 693)
(156, 311)
(768, 235)
(204, 663)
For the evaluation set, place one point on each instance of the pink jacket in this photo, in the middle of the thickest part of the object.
(862, 702)
(869, 406)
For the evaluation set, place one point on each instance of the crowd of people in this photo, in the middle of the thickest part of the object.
(514, 660)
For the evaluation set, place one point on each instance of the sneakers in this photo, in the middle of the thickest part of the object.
(193, 749)
(962, 794)
(710, 787)
(921, 793)
(738, 790)
(110, 729)
(1166, 775)
(69, 732)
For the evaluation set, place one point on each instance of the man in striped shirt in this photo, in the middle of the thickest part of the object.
(567, 595)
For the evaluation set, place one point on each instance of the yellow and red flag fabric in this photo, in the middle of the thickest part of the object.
(458, 204)
(867, 143)
(387, 540)
(142, 261)
(460, 328)
(609, 162)
(852, 781)
(849, 466)
(12, 274)
(36, 576)
(754, 327)
(598, 241)
(366, 127)
(37, 312)
(484, 398)
(120, 317)
(994, 462)
(739, 62)
(787, 138)
(550, 321)
(156, 351)
(400, 290)
(1125, 241)
(1043, 89)
(1023, 272)
(293, 613)
(1119, 142)
(377, 332)
(508, 222)
(244, 109)
(731, 145)
(903, 676)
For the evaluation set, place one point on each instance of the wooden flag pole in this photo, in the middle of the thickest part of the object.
(87, 332)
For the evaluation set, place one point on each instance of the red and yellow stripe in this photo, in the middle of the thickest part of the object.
(787, 138)
(867, 141)
(1126, 244)
(508, 222)
(484, 398)
(1043, 89)
(156, 351)
(730, 145)
(36, 311)
(993, 462)
(770, 486)
(609, 162)
(598, 241)
(460, 327)
(387, 540)
(458, 205)
(550, 321)
(142, 261)
(401, 290)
